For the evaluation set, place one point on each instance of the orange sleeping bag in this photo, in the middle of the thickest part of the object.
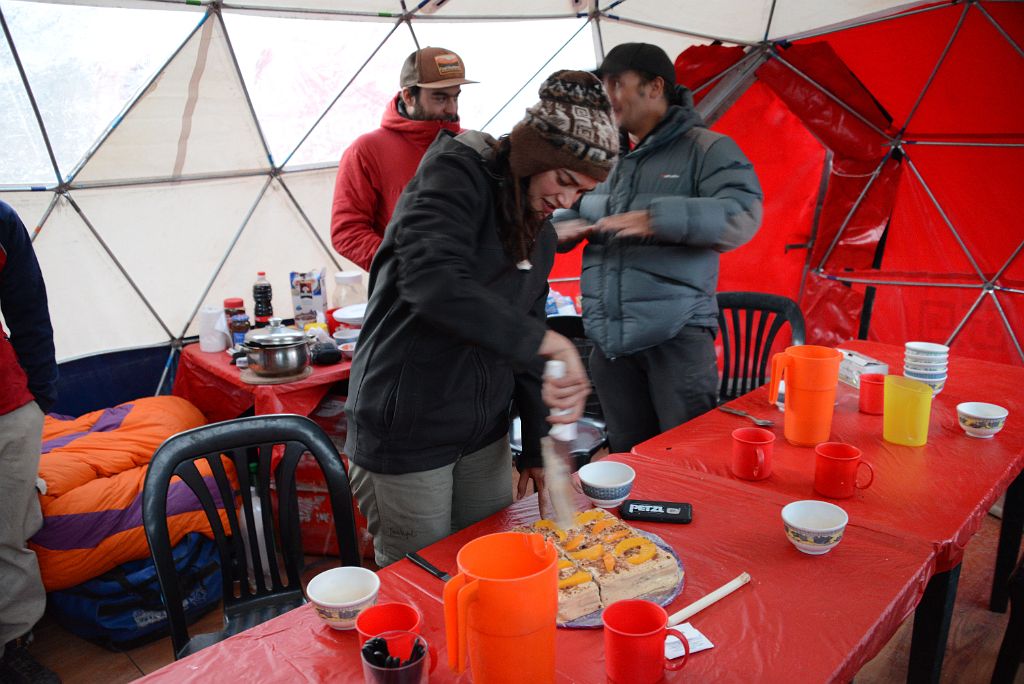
(94, 467)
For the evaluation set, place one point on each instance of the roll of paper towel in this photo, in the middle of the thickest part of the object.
(212, 329)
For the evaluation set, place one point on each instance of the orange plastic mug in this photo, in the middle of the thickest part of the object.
(501, 608)
(812, 374)
(835, 470)
(751, 453)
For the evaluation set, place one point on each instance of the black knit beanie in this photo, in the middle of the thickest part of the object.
(571, 127)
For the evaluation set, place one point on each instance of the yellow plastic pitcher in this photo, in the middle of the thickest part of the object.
(908, 404)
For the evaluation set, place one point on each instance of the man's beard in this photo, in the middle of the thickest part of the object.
(416, 114)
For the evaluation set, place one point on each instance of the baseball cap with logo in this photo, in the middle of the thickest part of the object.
(433, 67)
(637, 57)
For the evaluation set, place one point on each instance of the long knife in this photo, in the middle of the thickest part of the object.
(428, 566)
(555, 452)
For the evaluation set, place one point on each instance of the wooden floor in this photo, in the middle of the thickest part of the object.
(974, 638)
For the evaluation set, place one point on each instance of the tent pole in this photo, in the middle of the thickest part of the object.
(120, 267)
(826, 171)
(898, 283)
(1000, 29)
(595, 16)
(175, 347)
(342, 92)
(951, 143)
(835, 28)
(31, 96)
(853, 209)
(191, 178)
(731, 88)
(935, 70)
(227, 252)
(245, 89)
(535, 74)
(1006, 323)
(768, 24)
(329, 250)
(1008, 262)
(777, 55)
(46, 214)
(945, 218)
(678, 32)
(963, 321)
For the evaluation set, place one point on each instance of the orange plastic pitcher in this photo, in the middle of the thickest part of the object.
(811, 374)
(501, 609)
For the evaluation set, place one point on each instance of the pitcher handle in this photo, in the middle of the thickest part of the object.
(779, 363)
(455, 621)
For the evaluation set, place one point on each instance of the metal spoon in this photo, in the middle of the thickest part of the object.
(762, 422)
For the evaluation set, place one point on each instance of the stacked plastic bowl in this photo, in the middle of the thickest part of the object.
(927, 362)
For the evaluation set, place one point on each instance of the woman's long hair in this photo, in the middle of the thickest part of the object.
(518, 225)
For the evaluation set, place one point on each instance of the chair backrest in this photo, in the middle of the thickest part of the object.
(748, 323)
(571, 326)
(225, 450)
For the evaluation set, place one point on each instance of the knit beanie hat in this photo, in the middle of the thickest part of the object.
(571, 127)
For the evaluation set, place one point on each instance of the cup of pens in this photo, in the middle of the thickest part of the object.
(396, 657)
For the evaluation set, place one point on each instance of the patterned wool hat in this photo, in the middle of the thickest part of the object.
(571, 127)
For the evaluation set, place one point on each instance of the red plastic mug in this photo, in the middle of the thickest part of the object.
(634, 642)
(387, 617)
(835, 470)
(872, 393)
(752, 453)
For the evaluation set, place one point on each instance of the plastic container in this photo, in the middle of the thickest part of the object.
(238, 325)
(348, 289)
(262, 296)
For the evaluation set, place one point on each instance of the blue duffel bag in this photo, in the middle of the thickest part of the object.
(123, 608)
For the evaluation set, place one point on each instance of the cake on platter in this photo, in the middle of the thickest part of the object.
(602, 560)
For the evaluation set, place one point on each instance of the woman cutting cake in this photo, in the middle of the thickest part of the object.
(454, 327)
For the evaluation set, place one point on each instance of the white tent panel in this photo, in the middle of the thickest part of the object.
(30, 206)
(92, 306)
(293, 68)
(312, 190)
(794, 17)
(731, 21)
(179, 237)
(500, 73)
(81, 84)
(275, 240)
(615, 33)
(360, 107)
(192, 119)
(24, 160)
(393, 8)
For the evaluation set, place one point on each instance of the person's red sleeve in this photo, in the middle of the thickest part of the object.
(357, 198)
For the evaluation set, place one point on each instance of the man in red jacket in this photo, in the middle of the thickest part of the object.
(378, 165)
(28, 384)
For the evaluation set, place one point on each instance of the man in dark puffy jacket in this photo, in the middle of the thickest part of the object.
(679, 195)
(28, 380)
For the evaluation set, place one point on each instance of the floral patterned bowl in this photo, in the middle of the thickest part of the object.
(814, 527)
(981, 420)
(338, 595)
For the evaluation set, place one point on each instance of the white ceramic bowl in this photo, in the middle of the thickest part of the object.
(981, 420)
(351, 315)
(338, 595)
(343, 335)
(926, 349)
(926, 376)
(814, 527)
(606, 483)
(935, 383)
(348, 349)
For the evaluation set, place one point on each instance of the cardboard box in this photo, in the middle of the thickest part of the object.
(855, 364)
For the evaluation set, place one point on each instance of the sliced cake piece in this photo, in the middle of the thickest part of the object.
(577, 592)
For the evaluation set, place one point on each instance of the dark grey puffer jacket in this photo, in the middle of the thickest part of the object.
(703, 197)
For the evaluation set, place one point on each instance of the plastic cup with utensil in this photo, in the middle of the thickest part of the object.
(397, 657)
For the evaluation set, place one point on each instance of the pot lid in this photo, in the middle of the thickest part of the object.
(274, 335)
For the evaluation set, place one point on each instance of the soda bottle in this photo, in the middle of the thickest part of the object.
(262, 296)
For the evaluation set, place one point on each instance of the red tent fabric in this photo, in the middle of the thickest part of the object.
(891, 155)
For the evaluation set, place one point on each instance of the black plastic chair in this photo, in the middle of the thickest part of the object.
(1012, 649)
(237, 443)
(749, 323)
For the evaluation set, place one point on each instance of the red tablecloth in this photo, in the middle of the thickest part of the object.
(938, 492)
(212, 383)
(802, 618)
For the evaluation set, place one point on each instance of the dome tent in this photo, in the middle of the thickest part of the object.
(165, 151)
